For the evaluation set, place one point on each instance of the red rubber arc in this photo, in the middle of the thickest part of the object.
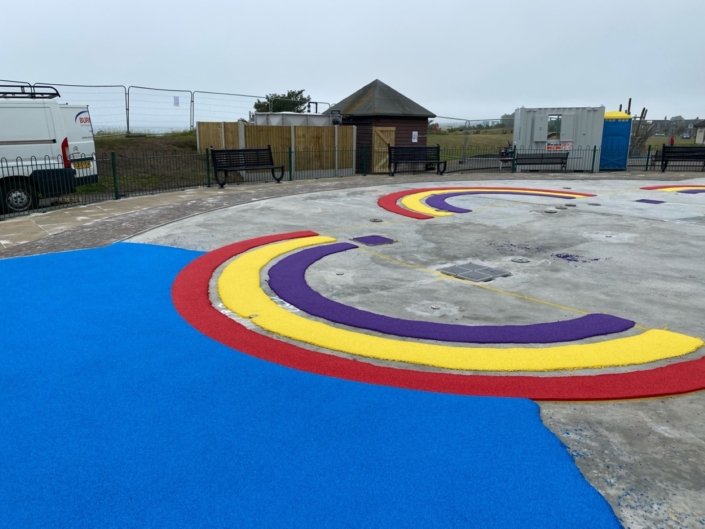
(191, 299)
(651, 188)
(389, 202)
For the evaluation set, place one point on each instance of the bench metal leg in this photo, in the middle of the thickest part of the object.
(221, 183)
(281, 176)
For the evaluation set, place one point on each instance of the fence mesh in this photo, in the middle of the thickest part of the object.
(158, 111)
(136, 109)
(106, 104)
(213, 106)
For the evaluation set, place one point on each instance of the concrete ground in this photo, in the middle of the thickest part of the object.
(638, 261)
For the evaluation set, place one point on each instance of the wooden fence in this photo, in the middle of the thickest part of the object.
(312, 148)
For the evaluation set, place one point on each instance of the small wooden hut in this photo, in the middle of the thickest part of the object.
(383, 117)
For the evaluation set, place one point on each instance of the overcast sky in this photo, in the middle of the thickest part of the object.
(457, 58)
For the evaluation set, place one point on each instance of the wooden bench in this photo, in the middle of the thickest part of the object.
(421, 155)
(542, 158)
(681, 154)
(231, 160)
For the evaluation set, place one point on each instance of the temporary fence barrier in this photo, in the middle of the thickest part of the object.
(138, 109)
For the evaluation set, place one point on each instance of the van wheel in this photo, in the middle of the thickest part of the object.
(18, 196)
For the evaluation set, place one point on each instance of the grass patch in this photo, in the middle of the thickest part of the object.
(182, 142)
(657, 142)
(488, 139)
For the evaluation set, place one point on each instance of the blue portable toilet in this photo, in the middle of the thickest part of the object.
(616, 134)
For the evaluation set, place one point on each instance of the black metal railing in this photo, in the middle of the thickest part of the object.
(116, 175)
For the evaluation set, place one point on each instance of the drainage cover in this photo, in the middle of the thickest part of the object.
(572, 205)
(560, 207)
(474, 272)
(520, 260)
(375, 220)
(550, 211)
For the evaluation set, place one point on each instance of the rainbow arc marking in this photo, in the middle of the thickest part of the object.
(690, 189)
(416, 202)
(241, 291)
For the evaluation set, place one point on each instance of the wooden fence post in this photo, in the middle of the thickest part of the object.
(292, 162)
(354, 149)
(336, 151)
(242, 144)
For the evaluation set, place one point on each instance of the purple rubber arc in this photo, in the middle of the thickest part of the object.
(692, 191)
(287, 279)
(440, 201)
(373, 240)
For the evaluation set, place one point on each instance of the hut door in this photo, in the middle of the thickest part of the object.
(381, 137)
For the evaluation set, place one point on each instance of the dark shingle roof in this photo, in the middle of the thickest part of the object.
(700, 125)
(379, 99)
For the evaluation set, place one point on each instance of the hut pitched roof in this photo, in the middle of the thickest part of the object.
(379, 99)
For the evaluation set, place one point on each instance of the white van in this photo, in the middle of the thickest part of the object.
(79, 131)
(46, 149)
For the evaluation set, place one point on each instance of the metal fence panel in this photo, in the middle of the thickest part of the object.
(107, 104)
(158, 111)
(216, 106)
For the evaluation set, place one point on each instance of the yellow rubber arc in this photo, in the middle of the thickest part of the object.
(240, 291)
(415, 202)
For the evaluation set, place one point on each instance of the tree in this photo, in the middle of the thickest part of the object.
(677, 118)
(292, 101)
(508, 120)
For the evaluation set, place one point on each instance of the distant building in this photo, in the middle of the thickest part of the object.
(669, 127)
(699, 128)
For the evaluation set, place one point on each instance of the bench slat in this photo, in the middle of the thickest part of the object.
(542, 158)
(226, 160)
(681, 154)
(415, 155)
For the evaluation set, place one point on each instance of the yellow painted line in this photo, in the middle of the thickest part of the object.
(240, 291)
(446, 277)
(369, 224)
(414, 202)
(676, 189)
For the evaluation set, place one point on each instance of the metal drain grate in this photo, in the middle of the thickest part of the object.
(474, 272)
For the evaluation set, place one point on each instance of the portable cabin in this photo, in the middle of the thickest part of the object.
(616, 135)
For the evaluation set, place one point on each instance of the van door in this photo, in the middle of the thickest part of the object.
(79, 131)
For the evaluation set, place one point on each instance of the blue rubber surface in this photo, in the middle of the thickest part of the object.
(116, 413)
